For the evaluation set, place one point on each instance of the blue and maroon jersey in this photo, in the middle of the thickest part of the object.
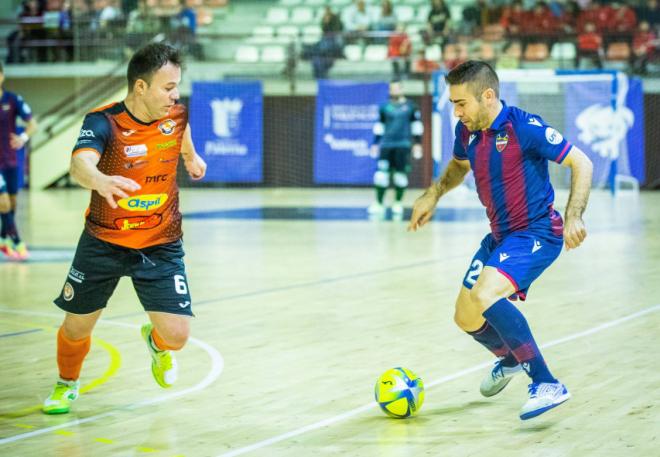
(12, 106)
(510, 165)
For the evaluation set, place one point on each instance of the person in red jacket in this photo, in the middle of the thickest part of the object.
(590, 45)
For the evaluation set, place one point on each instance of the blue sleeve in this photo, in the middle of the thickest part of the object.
(23, 109)
(460, 152)
(94, 134)
(538, 138)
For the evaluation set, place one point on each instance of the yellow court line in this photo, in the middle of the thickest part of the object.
(115, 363)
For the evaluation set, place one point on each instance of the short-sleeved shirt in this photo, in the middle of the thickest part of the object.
(397, 119)
(510, 165)
(147, 153)
(12, 106)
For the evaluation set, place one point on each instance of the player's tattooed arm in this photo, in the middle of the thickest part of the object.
(581, 173)
(451, 177)
(424, 206)
(84, 170)
(194, 164)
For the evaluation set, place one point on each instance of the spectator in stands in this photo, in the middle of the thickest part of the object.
(649, 11)
(622, 20)
(438, 21)
(142, 25)
(569, 18)
(590, 46)
(324, 53)
(513, 18)
(184, 25)
(399, 51)
(356, 19)
(643, 47)
(385, 21)
(541, 22)
(30, 27)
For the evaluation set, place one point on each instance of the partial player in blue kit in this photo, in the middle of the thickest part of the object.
(12, 107)
(508, 150)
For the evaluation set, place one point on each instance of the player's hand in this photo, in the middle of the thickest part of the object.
(16, 141)
(574, 232)
(196, 167)
(417, 151)
(110, 186)
(422, 211)
(374, 151)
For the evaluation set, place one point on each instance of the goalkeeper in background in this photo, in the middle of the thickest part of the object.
(398, 130)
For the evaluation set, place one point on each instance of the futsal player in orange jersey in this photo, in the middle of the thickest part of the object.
(127, 155)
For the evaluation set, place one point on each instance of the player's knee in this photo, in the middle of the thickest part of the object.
(481, 298)
(381, 178)
(400, 179)
(461, 318)
(5, 206)
(77, 329)
(175, 337)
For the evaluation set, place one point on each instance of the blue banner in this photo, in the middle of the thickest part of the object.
(227, 129)
(345, 115)
(605, 120)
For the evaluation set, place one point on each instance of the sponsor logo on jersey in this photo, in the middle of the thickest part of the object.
(472, 137)
(67, 291)
(501, 141)
(128, 132)
(143, 202)
(167, 126)
(86, 133)
(138, 222)
(553, 136)
(156, 178)
(534, 121)
(136, 150)
(166, 145)
(503, 256)
(6, 107)
(136, 164)
(537, 246)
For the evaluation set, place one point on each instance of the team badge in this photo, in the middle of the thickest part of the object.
(167, 126)
(501, 141)
(67, 292)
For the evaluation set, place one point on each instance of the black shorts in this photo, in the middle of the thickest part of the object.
(399, 158)
(158, 274)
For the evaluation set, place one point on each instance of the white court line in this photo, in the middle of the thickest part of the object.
(459, 374)
(217, 365)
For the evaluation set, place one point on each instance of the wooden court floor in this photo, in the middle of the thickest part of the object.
(297, 318)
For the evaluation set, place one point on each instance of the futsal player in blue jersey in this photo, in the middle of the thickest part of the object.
(508, 149)
(12, 106)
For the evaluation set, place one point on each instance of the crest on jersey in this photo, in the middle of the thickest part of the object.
(67, 291)
(501, 141)
(167, 126)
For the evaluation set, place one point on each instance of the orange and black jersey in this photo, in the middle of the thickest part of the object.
(146, 153)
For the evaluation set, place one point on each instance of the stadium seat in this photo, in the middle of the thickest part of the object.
(290, 32)
(536, 52)
(433, 53)
(273, 54)
(247, 54)
(290, 2)
(423, 13)
(315, 2)
(302, 15)
(404, 13)
(619, 51)
(353, 52)
(337, 3)
(311, 34)
(563, 51)
(277, 15)
(375, 53)
(493, 32)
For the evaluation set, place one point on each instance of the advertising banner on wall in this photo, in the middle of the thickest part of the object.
(346, 112)
(227, 129)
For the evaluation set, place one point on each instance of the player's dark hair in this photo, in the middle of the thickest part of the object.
(148, 60)
(478, 75)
